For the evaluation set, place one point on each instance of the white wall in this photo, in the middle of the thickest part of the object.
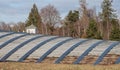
(31, 31)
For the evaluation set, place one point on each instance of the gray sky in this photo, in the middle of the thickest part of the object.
(18, 10)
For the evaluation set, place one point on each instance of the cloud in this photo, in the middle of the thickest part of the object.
(18, 10)
(14, 10)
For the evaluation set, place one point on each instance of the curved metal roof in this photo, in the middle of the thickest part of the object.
(21, 46)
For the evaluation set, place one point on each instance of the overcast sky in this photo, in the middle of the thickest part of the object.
(18, 10)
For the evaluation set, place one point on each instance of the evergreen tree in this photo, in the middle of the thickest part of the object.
(72, 17)
(92, 31)
(107, 15)
(115, 32)
(34, 18)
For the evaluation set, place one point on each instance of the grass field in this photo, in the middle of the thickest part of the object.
(43, 66)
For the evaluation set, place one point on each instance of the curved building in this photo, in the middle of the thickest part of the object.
(23, 47)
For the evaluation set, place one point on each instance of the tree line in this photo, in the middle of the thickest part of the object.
(82, 23)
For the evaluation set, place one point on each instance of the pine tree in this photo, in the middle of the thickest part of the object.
(34, 18)
(92, 31)
(115, 32)
(107, 15)
(72, 17)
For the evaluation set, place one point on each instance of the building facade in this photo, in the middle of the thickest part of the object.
(31, 29)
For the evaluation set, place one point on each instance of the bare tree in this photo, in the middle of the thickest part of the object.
(50, 17)
(4, 26)
(21, 26)
(15, 28)
(84, 19)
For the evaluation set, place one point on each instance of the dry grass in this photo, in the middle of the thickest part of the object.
(43, 66)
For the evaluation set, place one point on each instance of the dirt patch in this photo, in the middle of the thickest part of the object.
(30, 60)
(69, 60)
(49, 60)
(109, 59)
(89, 59)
